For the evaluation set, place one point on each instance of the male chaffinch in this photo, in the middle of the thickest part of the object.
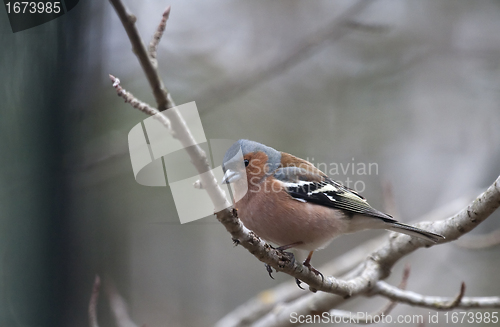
(287, 201)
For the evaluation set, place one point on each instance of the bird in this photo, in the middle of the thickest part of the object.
(287, 201)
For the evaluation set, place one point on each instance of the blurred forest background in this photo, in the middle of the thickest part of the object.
(412, 85)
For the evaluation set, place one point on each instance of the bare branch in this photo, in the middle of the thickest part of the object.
(177, 123)
(436, 302)
(456, 302)
(332, 32)
(402, 286)
(287, 292)
(93, 302)
(137, 104)
(308, 304)
(377, 316)
(159, 91)
(378, 265)
(468, 219)
(153, 45)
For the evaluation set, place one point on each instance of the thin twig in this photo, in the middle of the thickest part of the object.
(153, 45)
(402, 286)
(436, 302)
(456, 302)
(134, 102)
(139, 105)
(178, 125)
(379, 315)
(223, 94)
(128, 21)
(93, 302)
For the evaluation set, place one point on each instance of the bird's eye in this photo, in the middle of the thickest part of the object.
(246, 162)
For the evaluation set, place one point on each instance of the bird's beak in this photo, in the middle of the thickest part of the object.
(230, 176)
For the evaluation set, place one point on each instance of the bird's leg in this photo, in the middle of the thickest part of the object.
(307, 263)
(286, 247)
(287, 256)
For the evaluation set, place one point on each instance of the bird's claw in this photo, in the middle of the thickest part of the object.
(269, 270)
(298, 282)
(314, 270)
(285, 258)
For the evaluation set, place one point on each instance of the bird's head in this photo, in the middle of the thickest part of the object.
(251, 159)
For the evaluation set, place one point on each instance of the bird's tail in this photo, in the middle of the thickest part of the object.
(414, 231)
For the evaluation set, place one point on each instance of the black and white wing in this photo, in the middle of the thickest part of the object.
(305, 186)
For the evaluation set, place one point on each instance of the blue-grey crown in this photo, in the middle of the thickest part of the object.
(247, 146)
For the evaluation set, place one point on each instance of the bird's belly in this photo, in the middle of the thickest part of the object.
(312, 225)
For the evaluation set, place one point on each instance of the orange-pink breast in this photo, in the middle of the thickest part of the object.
(278, 218)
